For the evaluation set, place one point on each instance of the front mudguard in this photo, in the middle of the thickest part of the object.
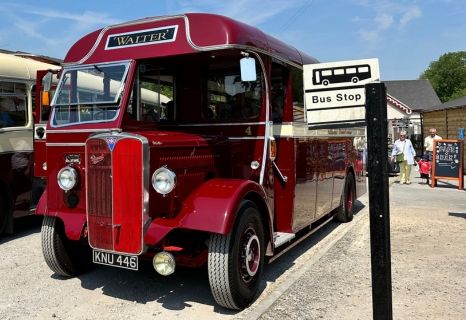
(211, 208)
(74, 223)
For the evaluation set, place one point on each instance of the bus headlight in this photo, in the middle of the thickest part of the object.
(163, 180)
(67, 178)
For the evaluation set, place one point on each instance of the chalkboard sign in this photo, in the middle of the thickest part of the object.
(448, 161)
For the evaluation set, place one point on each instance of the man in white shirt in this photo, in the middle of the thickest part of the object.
(429, 142)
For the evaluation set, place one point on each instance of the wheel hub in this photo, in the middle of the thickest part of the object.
(252, 255)
(349, 201)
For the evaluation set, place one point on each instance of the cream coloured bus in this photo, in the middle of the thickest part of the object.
(17, 99)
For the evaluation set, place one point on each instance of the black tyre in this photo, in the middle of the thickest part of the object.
(64, 257)
(236, 260)
(346, 210)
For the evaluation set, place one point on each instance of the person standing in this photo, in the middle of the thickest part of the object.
(404, 149)
(424, 167)
(429, 142)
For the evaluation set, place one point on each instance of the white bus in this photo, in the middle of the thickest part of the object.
(17, 120)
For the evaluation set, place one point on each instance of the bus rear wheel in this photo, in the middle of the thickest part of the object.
(236, 260)
(345, 212)
(64, 257)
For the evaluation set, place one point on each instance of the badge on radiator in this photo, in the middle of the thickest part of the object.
(111, 141)
(73, 158)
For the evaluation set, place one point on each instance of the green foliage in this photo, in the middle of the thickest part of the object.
(458, 94)
(165, 90)
(447, 75)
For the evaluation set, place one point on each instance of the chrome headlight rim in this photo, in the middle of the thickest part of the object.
(72, 177)
(163, 175)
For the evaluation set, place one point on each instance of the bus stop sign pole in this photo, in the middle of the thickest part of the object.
(379, 212)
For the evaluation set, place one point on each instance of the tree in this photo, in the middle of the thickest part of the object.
(447, 75)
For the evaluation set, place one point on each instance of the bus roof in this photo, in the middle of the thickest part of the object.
(194, 32)
(15, 67)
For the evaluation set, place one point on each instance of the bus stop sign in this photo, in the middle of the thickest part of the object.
(334, 91)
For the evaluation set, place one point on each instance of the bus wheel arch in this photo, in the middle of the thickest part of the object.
(354, 79)
(325, 82)
(266, 217)
(236, 260)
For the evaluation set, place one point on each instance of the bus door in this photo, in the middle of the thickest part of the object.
(44, 88)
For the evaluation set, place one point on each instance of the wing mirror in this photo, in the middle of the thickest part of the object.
(248, 69)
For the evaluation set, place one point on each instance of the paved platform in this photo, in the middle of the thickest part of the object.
(428, 250)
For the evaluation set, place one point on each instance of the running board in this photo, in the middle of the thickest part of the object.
(280, 238)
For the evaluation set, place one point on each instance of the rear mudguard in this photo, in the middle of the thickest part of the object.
(73, 222)
(211, 207)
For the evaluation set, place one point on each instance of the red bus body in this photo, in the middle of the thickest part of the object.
(239, 174)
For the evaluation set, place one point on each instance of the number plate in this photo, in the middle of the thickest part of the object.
(115, 259)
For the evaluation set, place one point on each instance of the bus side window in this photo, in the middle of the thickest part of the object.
(298, 95)
(279, 79)
(152, 95)
(13, 99)
(228, 98)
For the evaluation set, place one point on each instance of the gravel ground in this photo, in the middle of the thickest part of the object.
(29, 290)
(325, 277)
(428, 250)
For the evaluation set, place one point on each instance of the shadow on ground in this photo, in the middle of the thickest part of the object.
(23, 227)
(186, 285)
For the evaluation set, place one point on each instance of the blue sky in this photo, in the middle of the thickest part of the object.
(405, 35)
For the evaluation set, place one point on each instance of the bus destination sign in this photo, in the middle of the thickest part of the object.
(141, 37)
(335, 92)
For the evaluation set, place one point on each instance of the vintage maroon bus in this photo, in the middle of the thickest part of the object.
(183, 140)
(20, 189)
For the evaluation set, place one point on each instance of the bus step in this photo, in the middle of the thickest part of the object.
(280, 238)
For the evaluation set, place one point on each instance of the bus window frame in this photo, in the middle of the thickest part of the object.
(233, 70)
(117, 104)
(135, 99)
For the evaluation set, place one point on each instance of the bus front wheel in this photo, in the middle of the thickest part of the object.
(236, 260)
(64, 257)
(355, 80)
(325, 82)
